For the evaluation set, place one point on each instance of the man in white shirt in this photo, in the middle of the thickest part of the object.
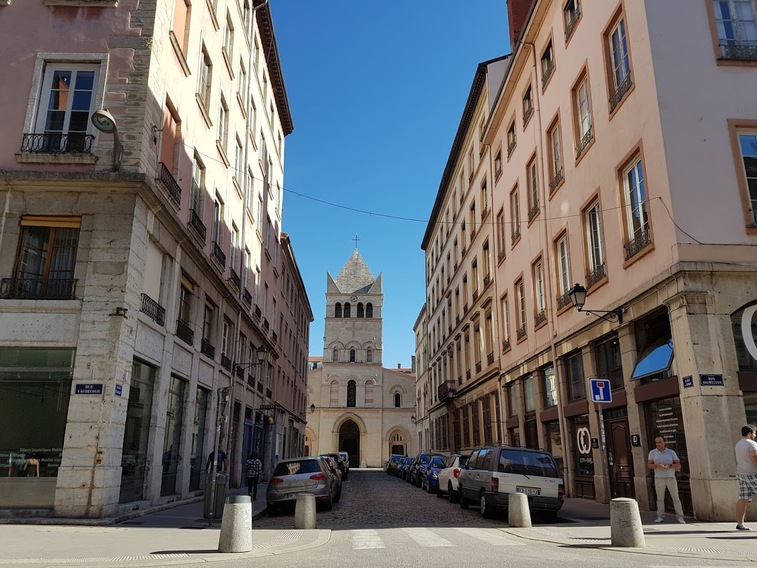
(746, 473)
(665, 463)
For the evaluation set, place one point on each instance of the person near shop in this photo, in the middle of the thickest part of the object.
(220, 461)
(746, 472)
(664, 463)
(253, 470)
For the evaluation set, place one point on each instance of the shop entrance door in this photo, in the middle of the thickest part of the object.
(619, 459)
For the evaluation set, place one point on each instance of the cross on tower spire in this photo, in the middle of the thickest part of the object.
(356, 239)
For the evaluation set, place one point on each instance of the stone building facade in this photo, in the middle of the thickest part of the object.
(356, 405)
(152, 309)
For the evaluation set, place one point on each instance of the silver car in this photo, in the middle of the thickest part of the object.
(300, 475)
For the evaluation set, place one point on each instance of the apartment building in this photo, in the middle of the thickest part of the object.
(152, 308)
(461, 397)
(623, 139)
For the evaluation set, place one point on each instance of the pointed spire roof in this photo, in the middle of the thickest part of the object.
(355, 275)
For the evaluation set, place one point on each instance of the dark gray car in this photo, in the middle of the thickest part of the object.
(301, 475)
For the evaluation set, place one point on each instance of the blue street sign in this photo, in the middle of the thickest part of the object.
(600, 390)
(119, 390)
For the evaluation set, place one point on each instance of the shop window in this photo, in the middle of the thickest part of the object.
(134, 461)
(550, 387)
(173, 433)
(609, 366)
(574, 370)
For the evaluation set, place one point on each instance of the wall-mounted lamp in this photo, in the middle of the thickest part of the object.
(312, 408)
(261, 353)
(412, 419)
(104, 122)
(577, 296)
(121, 312)
(155, 131)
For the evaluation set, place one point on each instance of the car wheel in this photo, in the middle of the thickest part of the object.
(486, 510)
(452, 496)
(439, 493)
(329, 504)
(338, 496)
(463, 501)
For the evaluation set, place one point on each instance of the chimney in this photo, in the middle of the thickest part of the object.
(517, 12)
(399, 365)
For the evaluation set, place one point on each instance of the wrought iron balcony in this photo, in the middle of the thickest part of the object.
(225, 362)
(505, 344)
(218, 254)
(57, 143)
(266, 325)
(207, 349)
(520, 333)
(548, 70)
(247, 297)
(184, 332)
(487, 279)
(153, 309)
(446, 390)
(38, 288)
(195, 221)
(274, 336)
(533, 212)
(260, 387)
(269, 393)
(563, 300)
(557, 180)
(570, 25)
(584, 142)
(257, 313)
(540, 318)
(515, 234)
(475, 295)
(478, 366)
(595, 276)
(489, 358)
(239, 372)
(527, 112)
(638, 243)
(172, 187)
(234, 278)
(510, 147)
(739, 50)
(620, 92)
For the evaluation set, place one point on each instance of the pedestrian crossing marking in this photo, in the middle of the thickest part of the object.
(495, 537)
(366, 539)
(427, 538)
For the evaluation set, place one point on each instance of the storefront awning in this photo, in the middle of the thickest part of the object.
(655, 358)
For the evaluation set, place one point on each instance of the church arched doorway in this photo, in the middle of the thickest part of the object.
(349, 441)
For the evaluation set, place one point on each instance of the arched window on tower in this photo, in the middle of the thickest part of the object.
(369, 356)
(360, 311)
(334, 394)
(346, 309)
(368, 393)
(397, 400)
(351, 393)
(352, 355)
(369, 310)
(338, 310)
(335, 355)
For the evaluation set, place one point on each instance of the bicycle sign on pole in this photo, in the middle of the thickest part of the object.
(601, 393)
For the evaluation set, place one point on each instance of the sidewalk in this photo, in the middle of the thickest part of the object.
(180, 535)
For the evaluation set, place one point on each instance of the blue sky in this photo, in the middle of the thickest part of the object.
(376, 92)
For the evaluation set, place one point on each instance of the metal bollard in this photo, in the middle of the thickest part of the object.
(625, 523)
(304, 511)
(518, 515)
(236, 525)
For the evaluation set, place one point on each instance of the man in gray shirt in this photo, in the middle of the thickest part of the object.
(665, 463)
(746, 473)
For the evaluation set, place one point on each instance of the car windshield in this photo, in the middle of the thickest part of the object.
(295, 467)
(425, 459)
(437, 462)
(527, 463)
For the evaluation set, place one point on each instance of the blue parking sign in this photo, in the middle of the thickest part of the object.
(601, 391)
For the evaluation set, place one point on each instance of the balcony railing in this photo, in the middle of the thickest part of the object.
(239, 371)
(225, 362)
(257, 313)
(549, 69)
(218, 254)
(557, 180)
(234, 278)
(269, 393)
(260, 387)
(520, 333)
(57, 143)
(584, 142)
(489, 358)
(153, 310)
(510, 147)
(446, 390)
(533, 212)
(595, 276)
(515, 234)
(467, 375)
(540, 318)
(563, 300)
(637, 244)
(487, 279)
(505, 344)
(570, 25)
(247, 297)
(527, 112)
(184, 332)
(478, 366)
(620, 92)
(266, 325)
(743, 50)
(475, 295)
(207, 349)
(170, 184)
(38, 288)
(195, 221)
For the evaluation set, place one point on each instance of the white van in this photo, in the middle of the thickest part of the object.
(493, 472)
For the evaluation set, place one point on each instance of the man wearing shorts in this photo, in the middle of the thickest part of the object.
(746, 473)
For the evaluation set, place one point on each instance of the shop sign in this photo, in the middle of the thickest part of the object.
(746, 330)
(89, 388)
(711, 380)
(688, 381)
(119, 390)
(583, 441)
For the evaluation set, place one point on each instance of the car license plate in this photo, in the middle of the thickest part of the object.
(528, 490)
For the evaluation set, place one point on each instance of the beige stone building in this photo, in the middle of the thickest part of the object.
(356, 405)
(620, 152)
(151, 308)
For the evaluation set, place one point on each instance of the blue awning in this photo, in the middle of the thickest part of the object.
(655, 358)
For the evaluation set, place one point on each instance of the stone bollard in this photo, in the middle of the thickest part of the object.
(625, 523)
(236, 525)
(304, 511)
(518, 515)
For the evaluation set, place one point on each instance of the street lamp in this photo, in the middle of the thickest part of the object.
(104, 122)
(577, 296)
(312, 408)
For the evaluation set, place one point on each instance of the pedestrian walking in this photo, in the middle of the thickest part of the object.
(254, 467)
(746, 472)
(665, 463)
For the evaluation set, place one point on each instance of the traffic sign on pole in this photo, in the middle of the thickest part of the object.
(600, 390)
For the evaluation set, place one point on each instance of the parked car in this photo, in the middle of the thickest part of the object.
(420, 461)
(403, 468)
(449, 475)
(430, 473)
(393, 464)
(300, 475)
(337, 473)
(493, 472)
(346, 460)
(339, 461)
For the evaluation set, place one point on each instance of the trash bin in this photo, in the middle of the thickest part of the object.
(222, 481)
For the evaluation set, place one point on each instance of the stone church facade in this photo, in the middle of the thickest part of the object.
(355, 404)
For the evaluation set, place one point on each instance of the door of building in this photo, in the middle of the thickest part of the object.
(349, 441)
(619, 460)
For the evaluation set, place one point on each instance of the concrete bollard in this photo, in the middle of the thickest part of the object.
(625, 523)
(518, 515)
(304, 511)
(236, 525)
